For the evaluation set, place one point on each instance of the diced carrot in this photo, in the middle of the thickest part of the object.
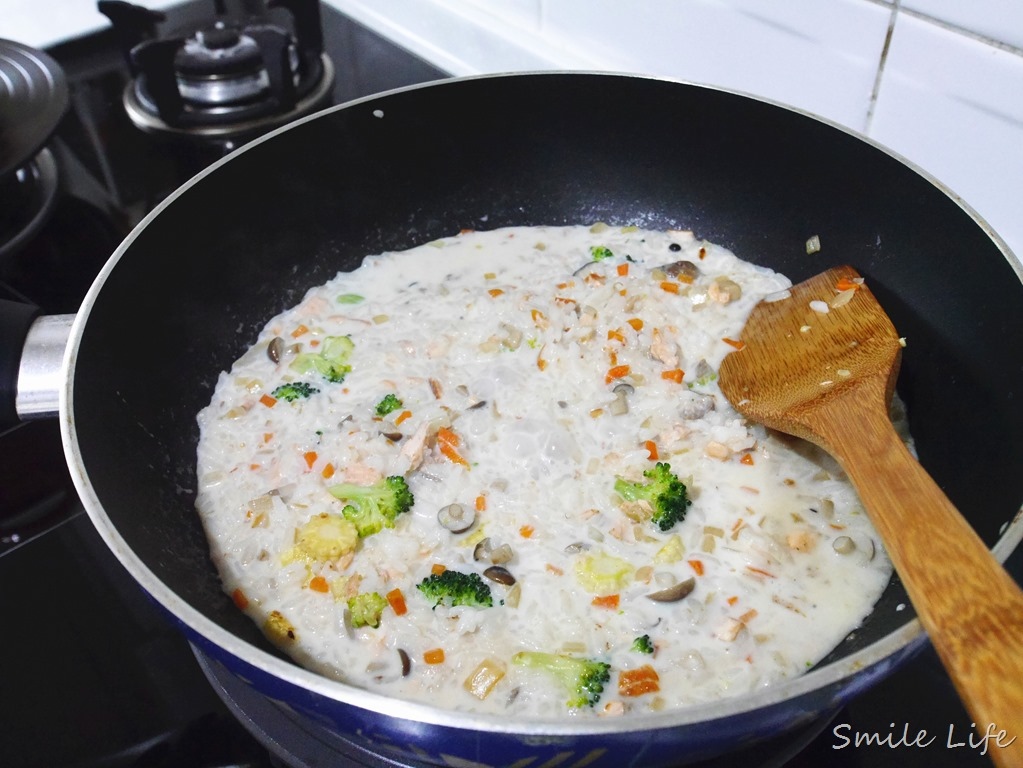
(737, 343)
(449, 443)
(733, 599)
(675, 374)
(747, 459)
(616, 372)
(623, 270)
(612, 356)
(319, 584)
(397, 602)
(526, 531)
(636, 323)
(240, 600)
(452, 455)
(684, 278)
(615, 335)
(651, 448)
(447, 435)
(606, 601)
(268, 436)
(404, 415)
(703, 253)
(636, 682)
(495, 292)
(541, 363)
(314, 342)
(670, 287)
(845, 284)
(268, 401)
(434, 656)
(438, 568)
(481, 503)
(697, 566)
(299, 331)
(551, 568)
(328, 471)
(310, 458)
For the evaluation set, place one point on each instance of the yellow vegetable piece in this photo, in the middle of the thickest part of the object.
(603, 574)
(326, 536)
(672, 551)
(487, 674)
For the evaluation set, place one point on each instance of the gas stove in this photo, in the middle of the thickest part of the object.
(95, 674)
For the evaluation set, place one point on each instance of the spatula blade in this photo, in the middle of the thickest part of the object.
(824, 336)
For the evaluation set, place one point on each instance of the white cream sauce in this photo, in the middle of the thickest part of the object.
(514, 340)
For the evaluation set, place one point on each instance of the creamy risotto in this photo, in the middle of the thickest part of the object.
(496, 473)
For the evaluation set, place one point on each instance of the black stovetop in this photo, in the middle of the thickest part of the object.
(93, 674)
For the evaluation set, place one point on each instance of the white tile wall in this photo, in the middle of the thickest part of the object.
(938, 81)
(954, 106)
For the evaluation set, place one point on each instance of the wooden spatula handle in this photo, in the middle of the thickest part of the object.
(969, 605)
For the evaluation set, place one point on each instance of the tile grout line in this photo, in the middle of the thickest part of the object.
(882, 60)
(961, 30)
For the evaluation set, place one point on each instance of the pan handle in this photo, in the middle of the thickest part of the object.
(32, 350)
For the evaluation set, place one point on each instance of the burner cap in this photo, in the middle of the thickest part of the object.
(33, 98)
(218, 52)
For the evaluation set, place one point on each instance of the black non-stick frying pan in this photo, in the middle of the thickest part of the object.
(188, 290)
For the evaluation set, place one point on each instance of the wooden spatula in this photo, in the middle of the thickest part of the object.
(821, 364)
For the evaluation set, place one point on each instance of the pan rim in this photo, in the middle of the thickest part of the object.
(835, 677)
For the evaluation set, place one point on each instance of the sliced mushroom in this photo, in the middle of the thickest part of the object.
(275, 349)
(456, 518)
(406, 662)
(683, 269)
(482, 550)
(675, 592)
(499, 574)
(501, 554)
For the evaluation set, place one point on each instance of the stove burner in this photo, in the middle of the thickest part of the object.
(226, 80)
(29, 194)
(33, 98)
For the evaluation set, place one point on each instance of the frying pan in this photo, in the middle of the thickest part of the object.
(188, 290)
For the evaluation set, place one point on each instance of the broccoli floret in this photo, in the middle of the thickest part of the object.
(643, 644)
(374, 507)
(294, 390)
(455, 588)
(366, 609)
(583, 678)
(665, 493)
(331, 361)
(388, 404)
(601, 252)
